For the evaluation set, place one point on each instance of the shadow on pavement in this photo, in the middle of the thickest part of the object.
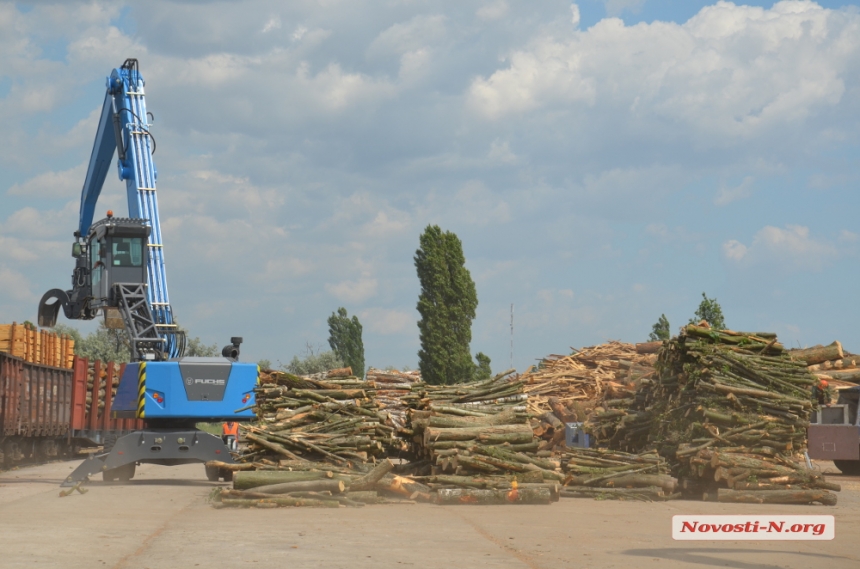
(699, 556)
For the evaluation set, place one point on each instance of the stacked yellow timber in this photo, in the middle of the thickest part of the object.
(103, 373)
(42, 347)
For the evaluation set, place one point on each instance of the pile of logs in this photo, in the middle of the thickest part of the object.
(393, 388)
(718, 392)
(103, 373)
(335, 419)
(581, 380)
(831, 363)
(311, 484)
(607, 474)
(43, 347)
(755, 476)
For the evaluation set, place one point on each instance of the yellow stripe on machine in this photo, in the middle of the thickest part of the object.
(141, 389)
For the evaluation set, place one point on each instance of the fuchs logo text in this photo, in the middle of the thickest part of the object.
(198, 381)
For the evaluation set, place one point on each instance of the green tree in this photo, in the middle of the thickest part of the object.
(194, 347)
(447, 305)
(660, 330)
(344, 337)
(314, 361)
(105, 344)
(482, 370)
(710, 311)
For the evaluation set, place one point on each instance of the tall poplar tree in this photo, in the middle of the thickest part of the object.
(447, 306)
(344, 337)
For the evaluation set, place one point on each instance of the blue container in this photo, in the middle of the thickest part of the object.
(574, 436)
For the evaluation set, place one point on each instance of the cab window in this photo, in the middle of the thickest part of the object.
(127, 252)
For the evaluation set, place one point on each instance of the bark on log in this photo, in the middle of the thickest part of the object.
(402, 486)
(369, 480)
(365, 497)
(452, 496)
(271, 446)
(340, 372)
(278, 501)
(498, 434)
(323, 485)
(246, 480)
(649, 347)
(564, 414)
(503, 418)
(776, 496)
(647, 493)
(818, 354)
(664, 481)
(235, 467)
(852, 375)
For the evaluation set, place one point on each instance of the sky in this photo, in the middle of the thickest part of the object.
(603, 162)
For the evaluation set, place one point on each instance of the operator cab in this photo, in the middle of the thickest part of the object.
(116, 254)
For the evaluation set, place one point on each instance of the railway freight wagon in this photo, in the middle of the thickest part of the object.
(49, 412)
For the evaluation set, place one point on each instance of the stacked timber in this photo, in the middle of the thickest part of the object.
(579, 381)
(616, 475)
(103, 374)
(331, 418)
(719, 392)
(754, 475)
(473, 443)
(393, 389)
(841, 369)
(590, 381)
(42, 347)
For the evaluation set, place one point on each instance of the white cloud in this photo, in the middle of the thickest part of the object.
(616, 7)
(385, 321)
(65, 184)
(353, 290)
(734, 250)
(848, 236)
(729, 71)
(16, 286)
(792, 248)
(729, 195)
(493, 10)
(574, 15)
(273, 23)
(419, 32)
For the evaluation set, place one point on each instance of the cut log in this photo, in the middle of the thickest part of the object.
(454, 496)
(246, 480)
(649, 347)
(340, 372)
(323, 485)
(818, 354)
(498, 434)
(369, 480)
(235, 467)
(559, 410)
(664, 481)
(402, 486)
(850, 375)
(776, 496)
(645, 493)
(278, 501)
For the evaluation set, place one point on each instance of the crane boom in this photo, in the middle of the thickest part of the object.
(124, 129)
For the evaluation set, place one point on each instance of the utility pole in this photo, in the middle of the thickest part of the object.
(512, 336)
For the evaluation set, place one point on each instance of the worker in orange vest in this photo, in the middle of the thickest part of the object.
(230, 435)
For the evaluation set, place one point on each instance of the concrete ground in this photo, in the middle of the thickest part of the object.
(162, 520)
